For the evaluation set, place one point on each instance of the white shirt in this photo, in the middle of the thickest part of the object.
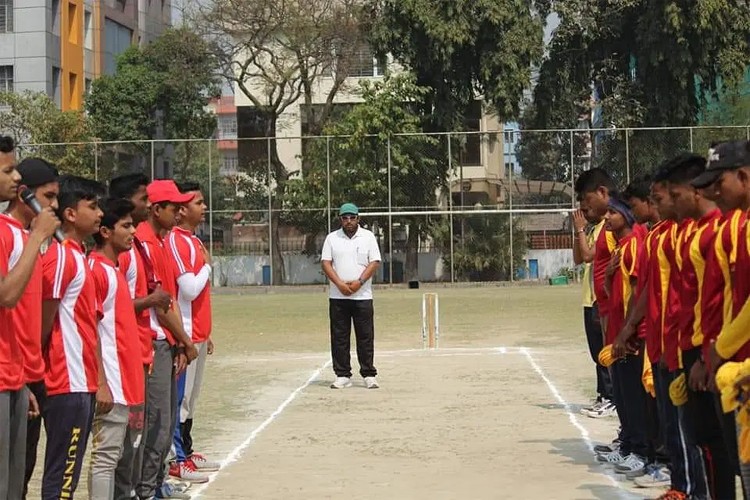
(350, 257)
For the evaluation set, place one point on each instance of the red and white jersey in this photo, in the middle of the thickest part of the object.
(118, 333)
(194, 298)
(130, 264)
(12, 358)
(71, 353)
(153, 247)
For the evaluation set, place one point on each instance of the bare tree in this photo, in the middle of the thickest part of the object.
(280, 54)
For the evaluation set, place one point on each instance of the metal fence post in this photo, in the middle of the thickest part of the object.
(627, 155)
(270, 212)
(691, 138)
(510, 218)
(152, 160)
(450, 205)
(390, 217)
(328, 179)
(96, 162)
(210, 202)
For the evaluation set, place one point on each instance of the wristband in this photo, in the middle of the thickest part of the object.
(362, 282)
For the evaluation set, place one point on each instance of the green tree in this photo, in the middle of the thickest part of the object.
(359, 163)
(280, 55)
(461, 49)
(483, 254)
(654, 63)
(61, 137)
(159, 92)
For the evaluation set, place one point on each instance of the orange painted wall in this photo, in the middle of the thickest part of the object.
(71, 54)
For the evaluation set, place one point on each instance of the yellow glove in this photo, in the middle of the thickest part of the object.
(605, 356)
(678, 391)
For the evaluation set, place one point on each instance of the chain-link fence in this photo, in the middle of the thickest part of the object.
(448, 207)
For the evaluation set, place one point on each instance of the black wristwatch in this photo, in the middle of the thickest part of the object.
(362, 282)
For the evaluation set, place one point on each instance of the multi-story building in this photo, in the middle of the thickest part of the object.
(480, 164)
(60, 46)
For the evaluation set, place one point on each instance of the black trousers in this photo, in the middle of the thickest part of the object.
(703, 429)
(67, 422)
(630, 400)
(685, 461)
(342, 313)
(33, 431)
(595, 338)
(186, 429)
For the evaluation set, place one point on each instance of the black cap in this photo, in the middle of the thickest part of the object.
(36, 172)
(725, 156)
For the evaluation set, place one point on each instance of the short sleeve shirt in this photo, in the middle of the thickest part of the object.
(130, 265)
(350, 257)
(118, 333)
(186, 251)
(71, 352)
(154, 248)
(17, 334)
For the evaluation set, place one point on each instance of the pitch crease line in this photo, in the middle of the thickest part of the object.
(571, 415)
(235, 454)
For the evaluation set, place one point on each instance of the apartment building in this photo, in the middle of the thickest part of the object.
(60, 46)
(483, 158)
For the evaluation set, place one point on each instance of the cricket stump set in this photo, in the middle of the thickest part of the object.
(430, 320)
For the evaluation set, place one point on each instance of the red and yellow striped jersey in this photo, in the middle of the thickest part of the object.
(621, 290)
(605, 245)
(716, 299)
(672, 311)
(693, 268)
(734, 340)
(658, 284)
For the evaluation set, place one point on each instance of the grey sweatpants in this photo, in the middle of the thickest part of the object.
(14, 406)
(108, 438)
(160, 419)
(128, 472)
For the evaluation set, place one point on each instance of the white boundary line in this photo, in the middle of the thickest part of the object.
(239, 450)
(571, 416)
(443, 351)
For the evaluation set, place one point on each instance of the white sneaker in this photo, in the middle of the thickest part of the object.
(341, 383)
(605, 409)
(657, 478)
(371, 383)
(611, 458)
(590, 407)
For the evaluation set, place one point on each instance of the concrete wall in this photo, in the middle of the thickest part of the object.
(550, 261)
(243, 270)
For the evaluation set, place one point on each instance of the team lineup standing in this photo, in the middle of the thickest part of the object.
(110, 341)
(670, 283)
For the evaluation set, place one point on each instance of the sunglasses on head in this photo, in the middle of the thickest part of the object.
(349, 217)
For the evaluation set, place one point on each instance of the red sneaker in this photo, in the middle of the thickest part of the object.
(186, 471)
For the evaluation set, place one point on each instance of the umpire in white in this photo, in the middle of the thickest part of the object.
(350, 257)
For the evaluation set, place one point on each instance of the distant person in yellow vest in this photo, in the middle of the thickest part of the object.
(587, 226)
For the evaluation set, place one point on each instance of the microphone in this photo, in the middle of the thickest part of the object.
(27, 195)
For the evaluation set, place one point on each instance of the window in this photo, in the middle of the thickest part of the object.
(117, 38)
(229, 164)
(56, 17)
(74, 93)
(56, 92)
(6, 78)
(87, 86)
(471, 152)
(88, 30)
(73, 23)
(6, 16)
(228, 127)
(362, 63)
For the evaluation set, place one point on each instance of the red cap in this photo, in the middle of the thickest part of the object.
(166, 190)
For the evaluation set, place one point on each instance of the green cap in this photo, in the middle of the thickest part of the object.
(348, 208)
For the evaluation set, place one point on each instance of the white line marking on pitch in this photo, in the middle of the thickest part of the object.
(239, 450)
(444, 351)
(571, 416)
